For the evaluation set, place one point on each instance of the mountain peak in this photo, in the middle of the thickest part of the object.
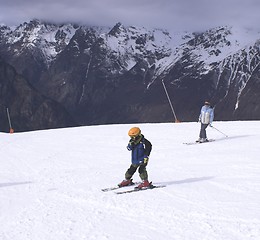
(116, 73)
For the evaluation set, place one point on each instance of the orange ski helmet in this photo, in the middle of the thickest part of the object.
(134, 132)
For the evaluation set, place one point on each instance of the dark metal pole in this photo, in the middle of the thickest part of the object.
(175, 117)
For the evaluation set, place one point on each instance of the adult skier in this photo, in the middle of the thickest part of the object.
(205, 118)
(141, 149)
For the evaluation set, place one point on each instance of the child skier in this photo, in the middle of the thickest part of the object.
(141, 149)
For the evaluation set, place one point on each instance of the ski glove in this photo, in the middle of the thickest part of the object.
(146, 159)
(130, 145)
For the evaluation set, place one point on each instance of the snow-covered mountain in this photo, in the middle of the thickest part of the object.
(113, 75)
(221, 62)
(48, 39)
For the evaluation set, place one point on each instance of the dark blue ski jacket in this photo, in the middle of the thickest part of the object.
(140, 150)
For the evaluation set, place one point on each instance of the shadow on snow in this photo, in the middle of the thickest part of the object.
(13, 184)
(188, 180)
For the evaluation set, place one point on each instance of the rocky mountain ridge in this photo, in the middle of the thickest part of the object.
(103, 75)
(26, 105)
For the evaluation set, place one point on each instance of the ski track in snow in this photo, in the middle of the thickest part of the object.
(51, 181)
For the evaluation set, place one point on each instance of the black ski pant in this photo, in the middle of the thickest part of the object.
(142, 171)
(203, 133)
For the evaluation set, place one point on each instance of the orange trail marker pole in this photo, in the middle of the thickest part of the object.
(9, 120)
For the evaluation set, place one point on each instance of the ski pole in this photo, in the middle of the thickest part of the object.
(220, 131)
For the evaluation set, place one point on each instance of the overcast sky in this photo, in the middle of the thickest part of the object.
(167, 14)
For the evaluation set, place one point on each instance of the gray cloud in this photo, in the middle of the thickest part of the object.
(168, 14)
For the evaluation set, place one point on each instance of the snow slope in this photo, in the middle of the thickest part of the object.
(50, 184)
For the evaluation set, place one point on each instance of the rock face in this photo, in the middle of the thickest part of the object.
(29, 109)
(98, 75)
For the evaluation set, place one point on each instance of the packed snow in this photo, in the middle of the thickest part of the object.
(51, 181)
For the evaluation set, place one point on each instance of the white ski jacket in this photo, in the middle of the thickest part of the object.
(206, 115)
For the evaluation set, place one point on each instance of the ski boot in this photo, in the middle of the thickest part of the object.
(145, 184)
(126, 182)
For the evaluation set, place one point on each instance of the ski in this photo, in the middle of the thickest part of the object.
(141, 189)
(193, 143)
(109, 189)
(116, 187)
